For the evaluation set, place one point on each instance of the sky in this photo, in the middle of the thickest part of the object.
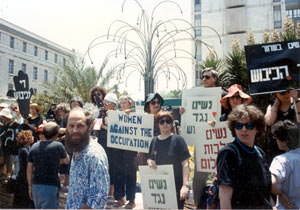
(75, 23)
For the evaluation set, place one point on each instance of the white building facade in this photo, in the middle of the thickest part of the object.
(35, 55)
(234, 18)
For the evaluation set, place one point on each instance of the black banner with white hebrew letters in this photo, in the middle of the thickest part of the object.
(22, 93)
(273, 67)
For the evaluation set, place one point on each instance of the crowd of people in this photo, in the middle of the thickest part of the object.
(68, 151)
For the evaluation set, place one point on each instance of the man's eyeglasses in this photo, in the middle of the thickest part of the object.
(168, 121)
(155, 102)
(207, 77)
(248, 125)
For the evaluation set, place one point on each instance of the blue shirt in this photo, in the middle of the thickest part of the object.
(89, 178)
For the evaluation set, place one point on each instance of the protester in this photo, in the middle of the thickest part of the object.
(34, 120)
(61, 111)
(283, 107)
(8, 139)
(209, 79)
(51, 113)
(21, 197)
(125, 179)
(76, 102)
(153, 104)
(169, 148)
(45, 158)
(19, 119)
(233, 98)
(110, 103)
(97, 95)
(285, 168)
(15, 111)
(89, 178)
(243, 175)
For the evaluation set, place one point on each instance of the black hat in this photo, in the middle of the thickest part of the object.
(150, 97)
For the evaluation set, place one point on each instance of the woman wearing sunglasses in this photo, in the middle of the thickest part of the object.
(243, 175)
(153, 104)
(169, 148)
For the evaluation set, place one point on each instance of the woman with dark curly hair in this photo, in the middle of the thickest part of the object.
(97, 95)
(243, 175)
(21, 198)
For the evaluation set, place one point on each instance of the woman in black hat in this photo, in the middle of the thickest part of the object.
(153, 104)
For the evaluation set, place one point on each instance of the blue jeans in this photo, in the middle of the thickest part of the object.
(45, 196)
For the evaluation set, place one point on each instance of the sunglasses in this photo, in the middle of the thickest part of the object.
(248, 125)
(168, 121)
(282, 93)
(235, 97)
(206, 77)
(155, 102)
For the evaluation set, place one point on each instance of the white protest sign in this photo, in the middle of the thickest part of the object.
(129, 132)
(213, 139)
(201, 106)
(158, 187)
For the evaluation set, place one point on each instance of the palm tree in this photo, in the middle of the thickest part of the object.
(235, 71)
(74, 79)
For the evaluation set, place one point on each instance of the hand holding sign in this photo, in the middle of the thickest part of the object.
(22, 93)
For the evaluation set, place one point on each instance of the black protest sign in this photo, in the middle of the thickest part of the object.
(273, 67)
(22, 93)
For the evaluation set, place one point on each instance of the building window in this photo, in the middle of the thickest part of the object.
(46, 55)
(10, 86)
(55, 58)
(64, 61)
(45, 76)
(11, 66)
(35, 73)
(277, 17)
(294, 14)
(198, 51)
(24, 47)
(45, 92)
(24, 67)
(35, 51)
(197, 6)
(55, 79)
(12, 42)
(197, 25)
(276, 0)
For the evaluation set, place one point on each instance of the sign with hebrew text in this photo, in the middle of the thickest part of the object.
(131, 131)
(22, 93)
(273, 67)
(201, 106)
(158, 187)
(213, 139)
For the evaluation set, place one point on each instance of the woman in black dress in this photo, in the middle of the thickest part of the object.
(21, 198)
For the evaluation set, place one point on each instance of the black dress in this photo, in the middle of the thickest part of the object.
(21, 197)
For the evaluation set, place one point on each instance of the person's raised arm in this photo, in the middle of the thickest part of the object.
(271, 114)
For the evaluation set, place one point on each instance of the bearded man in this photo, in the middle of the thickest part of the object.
(89, 178)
